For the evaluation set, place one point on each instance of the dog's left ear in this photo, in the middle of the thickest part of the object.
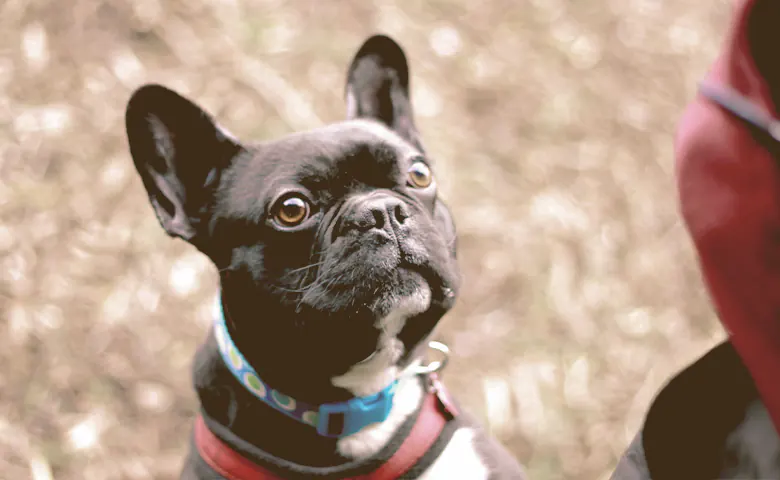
(378, 87)
(180, 153)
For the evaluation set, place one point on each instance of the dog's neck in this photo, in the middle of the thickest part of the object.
(227, 401)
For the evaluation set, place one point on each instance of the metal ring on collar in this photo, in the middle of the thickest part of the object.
(435, 365)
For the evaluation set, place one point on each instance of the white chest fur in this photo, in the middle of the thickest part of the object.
(459, 458)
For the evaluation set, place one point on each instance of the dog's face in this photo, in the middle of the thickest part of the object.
(332, 244)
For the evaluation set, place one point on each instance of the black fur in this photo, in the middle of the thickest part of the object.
(303, 301)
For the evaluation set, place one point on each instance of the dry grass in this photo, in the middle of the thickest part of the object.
(552, 124)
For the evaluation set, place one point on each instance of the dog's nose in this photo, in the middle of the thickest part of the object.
(380, 212)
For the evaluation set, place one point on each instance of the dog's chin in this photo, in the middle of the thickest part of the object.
(411, 295)
(386, 314)
(393, 309)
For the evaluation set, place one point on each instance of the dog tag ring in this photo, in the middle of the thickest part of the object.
(435, 366)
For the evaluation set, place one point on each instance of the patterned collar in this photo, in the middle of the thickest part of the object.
(333, 420)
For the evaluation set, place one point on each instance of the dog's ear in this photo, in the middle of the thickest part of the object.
(180, 154)
(378, 87)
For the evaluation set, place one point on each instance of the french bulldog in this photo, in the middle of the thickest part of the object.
(336, 259)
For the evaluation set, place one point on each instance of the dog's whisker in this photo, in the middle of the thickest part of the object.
(325, 285)
(290, 290)
(302, 269)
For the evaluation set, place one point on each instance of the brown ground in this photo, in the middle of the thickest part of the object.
(552, 125)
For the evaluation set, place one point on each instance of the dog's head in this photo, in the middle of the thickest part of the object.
(335, 252)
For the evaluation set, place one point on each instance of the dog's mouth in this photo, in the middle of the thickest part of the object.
(408, 289)
(369, 285)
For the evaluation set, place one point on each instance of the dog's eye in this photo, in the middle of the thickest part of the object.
(420, 175)
(291, 211)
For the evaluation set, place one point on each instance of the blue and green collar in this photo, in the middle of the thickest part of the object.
(333, 420)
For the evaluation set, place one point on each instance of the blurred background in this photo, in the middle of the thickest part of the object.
(551, 122)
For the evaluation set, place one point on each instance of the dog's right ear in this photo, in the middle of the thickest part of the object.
(180, 153)
(378, 87)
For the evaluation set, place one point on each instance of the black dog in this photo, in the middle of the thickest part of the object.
(337, 260)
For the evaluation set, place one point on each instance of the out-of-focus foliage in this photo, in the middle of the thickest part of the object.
(552, 126)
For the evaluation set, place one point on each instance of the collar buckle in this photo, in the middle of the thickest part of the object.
(346, 418)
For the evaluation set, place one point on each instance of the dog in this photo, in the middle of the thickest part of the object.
(337, 259)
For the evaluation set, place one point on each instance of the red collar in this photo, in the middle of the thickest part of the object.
(436, 411)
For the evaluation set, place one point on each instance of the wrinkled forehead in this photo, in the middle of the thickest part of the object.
(351, 131)
(343, 147)
(359, 150)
